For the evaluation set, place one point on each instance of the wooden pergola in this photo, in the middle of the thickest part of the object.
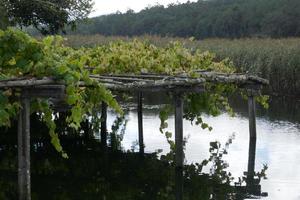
(178, 85)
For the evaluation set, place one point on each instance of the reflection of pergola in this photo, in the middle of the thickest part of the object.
(178, 85)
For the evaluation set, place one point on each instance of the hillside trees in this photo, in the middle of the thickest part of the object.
(203, 19)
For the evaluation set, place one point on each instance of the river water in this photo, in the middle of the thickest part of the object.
(278, 139)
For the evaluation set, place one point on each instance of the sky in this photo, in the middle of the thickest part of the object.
(103, 7)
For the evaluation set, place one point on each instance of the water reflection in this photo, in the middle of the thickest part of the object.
(94, 172)
(278, 138)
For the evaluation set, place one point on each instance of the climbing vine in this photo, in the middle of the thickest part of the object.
(26, 57)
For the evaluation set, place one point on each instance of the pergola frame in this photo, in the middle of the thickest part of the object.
(178, 85)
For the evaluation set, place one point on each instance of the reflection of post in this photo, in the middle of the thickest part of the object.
(24, 149)
(178, 146)
(103, 125)
(252, 142)
(140, 121)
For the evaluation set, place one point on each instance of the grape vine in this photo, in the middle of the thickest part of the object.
(24, 56)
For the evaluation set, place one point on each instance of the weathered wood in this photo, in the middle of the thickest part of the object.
(21, 190)
(252, 113)
(146, 81)
(47, 91)
(156, 88)
(251, 161)
(179, 155)
(235, 78)
(179, 130)
(252, 131)
(140, 76)
(104, 124)
(119, 78)
(210, 76)
(25, 83)
(24, 149)
(162, 85)
(140, 122)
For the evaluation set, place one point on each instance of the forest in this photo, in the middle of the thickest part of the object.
(204, 19)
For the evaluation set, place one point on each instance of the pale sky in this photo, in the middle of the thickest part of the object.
(102, 7)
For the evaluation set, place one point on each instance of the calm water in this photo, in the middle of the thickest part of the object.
(278, 142)
(91, 174)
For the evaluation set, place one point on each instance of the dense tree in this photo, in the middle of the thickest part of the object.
(3, 17)
(48, 16)
(205, 18)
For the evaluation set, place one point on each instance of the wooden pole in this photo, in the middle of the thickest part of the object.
(252, 141)
(21, 189)
(178, 147)
(24, 149)
(104, 125)
(140, 122)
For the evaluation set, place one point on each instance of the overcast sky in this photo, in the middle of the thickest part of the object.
(111, 6)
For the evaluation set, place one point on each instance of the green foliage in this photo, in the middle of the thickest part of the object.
(163, 116)
(274, 59)
(119, 125)
(3, 17)
(47, 118)
(7, 109)
(135, 57)
(23, 56)
(203, 19)
(48, 16)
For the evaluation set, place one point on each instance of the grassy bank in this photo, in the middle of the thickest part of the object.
(277, 60)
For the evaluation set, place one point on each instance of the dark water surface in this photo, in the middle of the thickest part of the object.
(90, 173)
(278, 142)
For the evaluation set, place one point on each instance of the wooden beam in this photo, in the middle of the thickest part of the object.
(146, 82)
(179, 155)
(252, 131)
(104, 124)
(157, 88)
(24, 183)
(140, 122)
(47, 91)
(25, 82)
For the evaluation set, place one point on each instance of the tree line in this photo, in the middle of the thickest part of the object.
(203, 19)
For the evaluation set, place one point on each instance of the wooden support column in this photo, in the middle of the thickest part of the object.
(140, 122)
(252, 141)
(179, 155)
(104, 125)
(24, 185)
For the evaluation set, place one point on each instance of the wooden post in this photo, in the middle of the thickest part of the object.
(24, 184)
(252, 141)
(140, 122)
(178, 146)
(104, 125)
